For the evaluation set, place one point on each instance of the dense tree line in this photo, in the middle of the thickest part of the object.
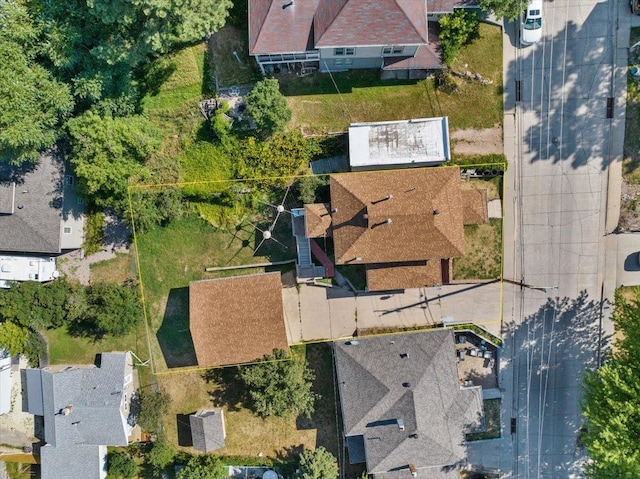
(610, 405)
(96, 311)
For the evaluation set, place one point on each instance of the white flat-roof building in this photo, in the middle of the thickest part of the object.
(398, 144)
(27, 268)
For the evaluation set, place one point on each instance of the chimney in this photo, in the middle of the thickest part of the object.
(400, 424)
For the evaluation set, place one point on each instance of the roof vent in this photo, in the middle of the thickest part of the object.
(436, 212)
(414, 435)
(413, 470)
(66, 410)
(365, 216)
(287, 5)
(406, 384)
(353, 342)
(20, 206)
(404, 355)
(358, 258)
(334, 210)
(401, 424)
(388, 221)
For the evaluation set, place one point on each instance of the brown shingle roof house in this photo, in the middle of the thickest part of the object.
(236, 320)
(404, 225)
(338, 35)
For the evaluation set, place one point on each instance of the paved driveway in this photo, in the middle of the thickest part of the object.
(318, 313)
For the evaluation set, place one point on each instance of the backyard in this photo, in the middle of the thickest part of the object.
(247, 434)
(324, 103)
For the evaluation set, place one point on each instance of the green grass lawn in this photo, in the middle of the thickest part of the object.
(483, 254)
(67, 349)
(172, 256)
(248, 434)
(230, 71)
(317, 107)
(491, 420)
(631, 163)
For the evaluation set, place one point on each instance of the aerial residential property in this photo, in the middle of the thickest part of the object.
(84, 409)
(41, 217)
(403, 408)
(396, 36)
(236, 320)
(405, 225)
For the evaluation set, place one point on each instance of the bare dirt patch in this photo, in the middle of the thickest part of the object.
(629, 207)
(472, 141)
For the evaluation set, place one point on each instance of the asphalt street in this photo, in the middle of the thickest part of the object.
(564, 147)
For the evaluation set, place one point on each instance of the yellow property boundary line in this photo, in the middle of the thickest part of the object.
(148, 187)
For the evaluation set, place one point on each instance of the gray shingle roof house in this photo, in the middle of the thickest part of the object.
(82, 406)
(207, 429)
(39, 209)
(73, 462)
(402, 404)
(338, 35)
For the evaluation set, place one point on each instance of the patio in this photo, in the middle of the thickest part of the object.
(251, 472)
(477, 360)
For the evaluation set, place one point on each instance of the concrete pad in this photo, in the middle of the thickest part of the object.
(342, 312)
(395, 310)
(290, 303)
(314, 313)
(494, 208)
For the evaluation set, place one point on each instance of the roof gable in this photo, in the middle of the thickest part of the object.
(419, 374)
(370, 22)
(396, 216)
(92, 398)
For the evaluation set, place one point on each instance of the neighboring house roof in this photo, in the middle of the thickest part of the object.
(401, 393)
(31, 199)
(397, 215)
(475, 206)
(274, 29)
(390, 276)
(388, 144)
(282, 26)
(86, 405)
(207, 430)
(427, 56)
(447, 6)
(340, 23)
(317, 220)
(73, 462)
(236, 320)
(5, 381)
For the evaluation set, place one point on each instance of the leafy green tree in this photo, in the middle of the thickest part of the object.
(153, 405)
(610, 404)
(457, 29)
(281, 156)
(318, 464)
(152, 207)
(32, 102)
(108, 310)
(161, 455)
(279, 386)
(37, 305)
(100, 46)
(107, 152)
(511, 9)
(310, 187)
(121, 466)
(22, 340)
(268, 107)
(202, 467)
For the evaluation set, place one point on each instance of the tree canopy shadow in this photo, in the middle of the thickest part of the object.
(228, 389)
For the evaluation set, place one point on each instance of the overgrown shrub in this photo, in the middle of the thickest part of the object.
(153, 405)
(457, 29)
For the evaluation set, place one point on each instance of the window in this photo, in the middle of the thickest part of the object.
(68, 180)
(344, 51)
(66, 230)
(392, 50)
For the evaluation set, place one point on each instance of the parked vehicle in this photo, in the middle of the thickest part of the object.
(531, 24)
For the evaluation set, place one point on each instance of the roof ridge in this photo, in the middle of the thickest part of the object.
(412, 23)
(344, 4)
